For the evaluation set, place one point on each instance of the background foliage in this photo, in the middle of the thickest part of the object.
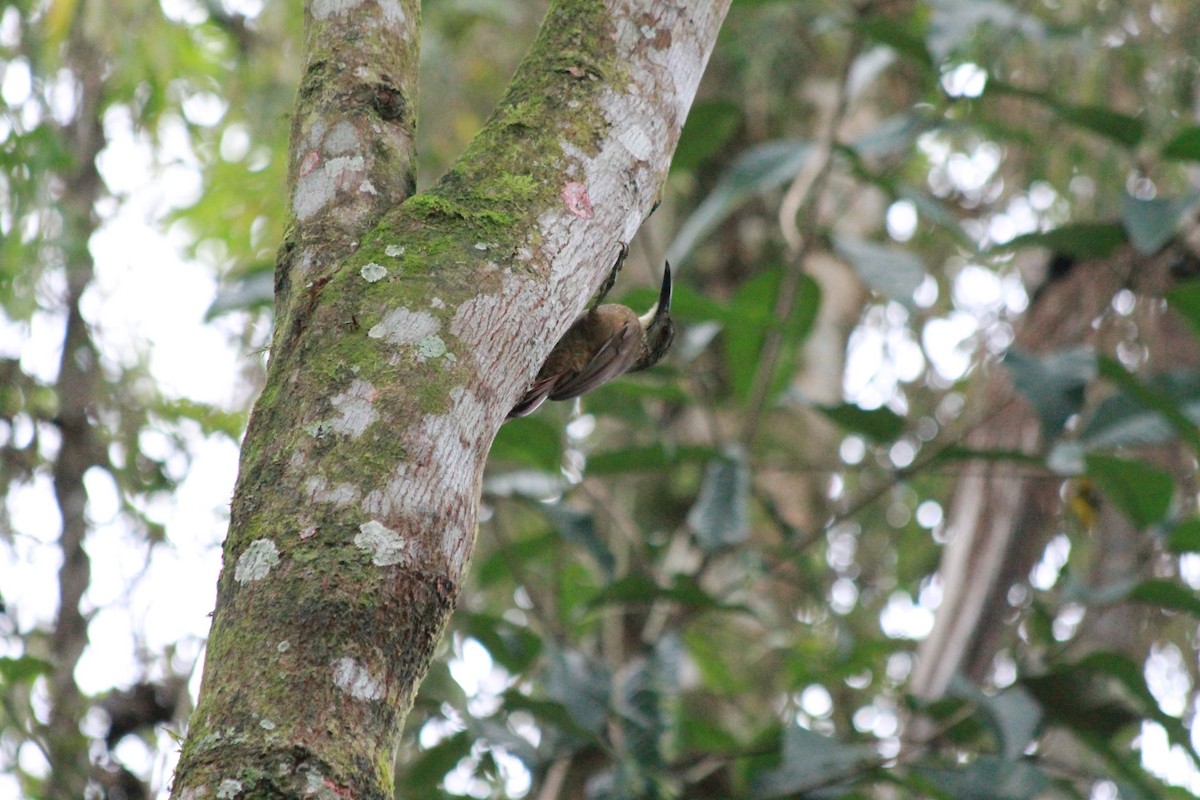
(714, 579)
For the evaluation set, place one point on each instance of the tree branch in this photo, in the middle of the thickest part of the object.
(354, 516)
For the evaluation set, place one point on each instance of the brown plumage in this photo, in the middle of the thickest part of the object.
(604, 342)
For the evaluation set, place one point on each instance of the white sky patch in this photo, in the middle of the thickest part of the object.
(356, 408)
(385, 545)
(356, 680)
(256, 561)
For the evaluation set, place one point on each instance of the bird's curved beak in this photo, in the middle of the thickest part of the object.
(663, 307)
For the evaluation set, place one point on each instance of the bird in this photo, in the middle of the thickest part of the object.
(604, 342)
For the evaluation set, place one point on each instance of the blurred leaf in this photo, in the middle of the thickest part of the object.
(753, 312)
(429, 769)
(1169, 407)
(579, 528)
(22, 669)
(1152, 223)
(988, 778)
(1143, 413)
(1053, 383)
(720, 516)
(1142, 492)
(640, 590)
(534, 441)
(511, 646)
(900, 34)
(1184, 298)
(761, 168)
(1013, 713)
(891, 271)
(1100, 695)
(644, 458)
(1185, 536)
(1120, 128)
(1080, 240)
(580, 685)
(1167, 594)
(1184, 146)
(709, 126)
(811, 761)
(881, 425)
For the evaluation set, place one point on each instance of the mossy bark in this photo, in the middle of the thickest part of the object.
(404, 334)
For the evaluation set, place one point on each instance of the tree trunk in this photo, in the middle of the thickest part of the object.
(404, 334)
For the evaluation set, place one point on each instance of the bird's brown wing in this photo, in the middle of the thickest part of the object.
(534, 397)
(614, 357)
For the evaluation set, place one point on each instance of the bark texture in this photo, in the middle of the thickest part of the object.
(403, 337)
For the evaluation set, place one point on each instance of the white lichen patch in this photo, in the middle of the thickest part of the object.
(342, 139)
(356, 408)
(256, 561)
(284, 646)
(437, 302)
(318, 187)
(356, 680)
(637, 143)
(266, 724)
(319, 491)
(229, 788)
(385, 545)
(323, 9)
(373, 272)
(431, 347)
(394, 250)
(401, 326)
(392, 11)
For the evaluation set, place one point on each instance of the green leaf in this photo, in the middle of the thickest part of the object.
(580, 685)
(1152, 223)
(1142, 492)
(1184, 146)
(901, 35)
(1184, 298)
(1145, 413)
(1053, 383)
(893, 272)
(1016, 716)
(720, 516)
(761, 168)
(878, 424)
(579, 528)
(645, 458)
(432, 764)
(1121, 128)
(1170, 406)
(1167, 594)
(752, 312)
(22, 669)
(810, 761)
(1184, 536)
(1080, 240)
(988, 778)
(710, 125)
(513, 647)
(533, 441)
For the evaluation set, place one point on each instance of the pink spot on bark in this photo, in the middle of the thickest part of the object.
(309, 163)
(576, 197)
